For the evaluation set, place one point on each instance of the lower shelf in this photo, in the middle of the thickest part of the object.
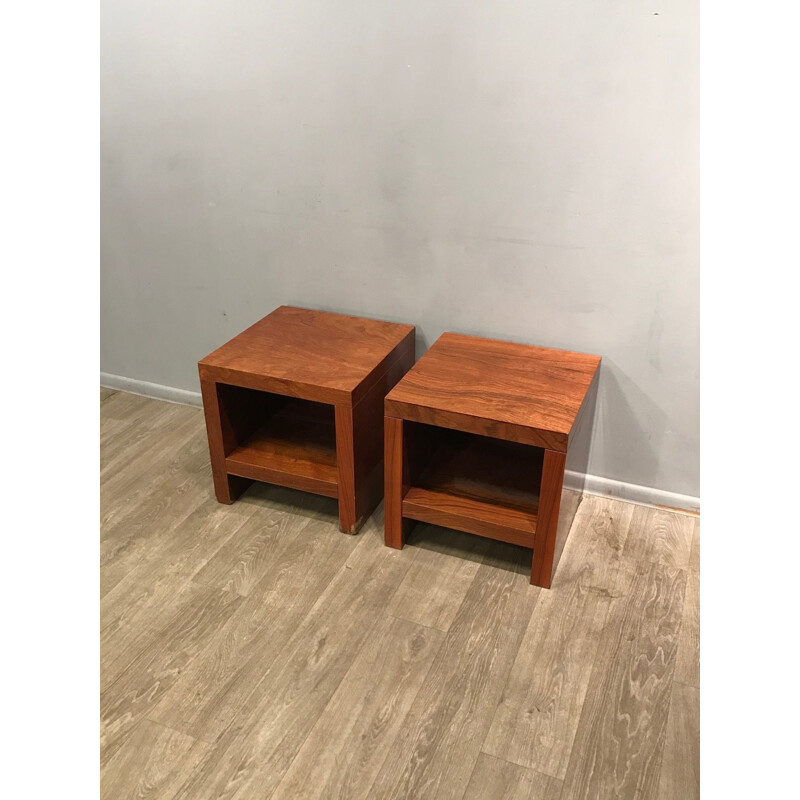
(473, 516)
(291, 449)
(479, 485)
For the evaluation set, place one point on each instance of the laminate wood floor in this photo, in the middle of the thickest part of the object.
(253, 651)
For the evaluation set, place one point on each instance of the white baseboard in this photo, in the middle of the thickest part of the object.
(633, 493)
(607, 487)
(155, 390)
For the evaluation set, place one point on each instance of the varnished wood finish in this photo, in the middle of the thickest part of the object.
(359, 448)
(246, 652)
(547, 524)
(345, 459)
(469, 515)
(396, 480)
(315, 355)
(367, 439)
(505, 421)
(297, 400)
(479, 468)
(294, 447)
(509, 391)
(221, 441)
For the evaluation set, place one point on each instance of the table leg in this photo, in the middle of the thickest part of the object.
(345, 461)
(395, 483)
(221, 440)
(544, 544)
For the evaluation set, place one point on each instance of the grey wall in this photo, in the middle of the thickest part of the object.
(517, 169)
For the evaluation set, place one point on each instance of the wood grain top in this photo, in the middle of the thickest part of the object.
(503, 389)
(313, 354)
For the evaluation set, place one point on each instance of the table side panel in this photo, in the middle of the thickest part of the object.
(397, 363)
(368, 428)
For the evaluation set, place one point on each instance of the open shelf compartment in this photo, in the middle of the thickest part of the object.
(282, 440)
(473, 483)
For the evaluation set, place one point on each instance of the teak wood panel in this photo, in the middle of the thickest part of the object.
(478, 468)
(576, 465)
(540, 527)
(315, 355)
(477, 425)
(359, 438)
(314, 359)
(395, 463)
(511, 391)
(295, 446)
(469, 515)
(304, 476)
(222, 440)
(473, 483)
(478, 485)
(547, 528)
(539, 399)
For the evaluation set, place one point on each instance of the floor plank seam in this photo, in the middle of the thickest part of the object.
(523, 766)
(411, 562)
(417, 622)
(173, 729)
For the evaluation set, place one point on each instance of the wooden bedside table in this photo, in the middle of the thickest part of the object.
(478, 436)
(297, 400)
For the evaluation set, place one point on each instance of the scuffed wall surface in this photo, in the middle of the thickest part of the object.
(519, 170)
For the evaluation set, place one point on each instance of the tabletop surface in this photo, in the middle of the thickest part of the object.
(533, 387)
(317, 348)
